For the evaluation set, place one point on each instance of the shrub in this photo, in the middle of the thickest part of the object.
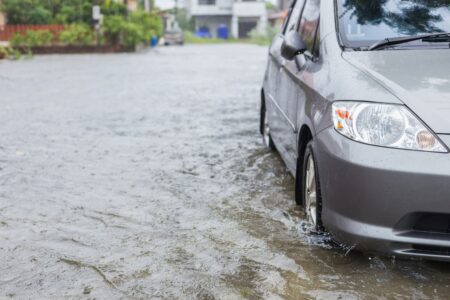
(110, 8)
(74, 12)
(26, 12)
(32, 39)
(77, 34)
(133, 34)
(140, 27)
(263, 38)
(112, 28)
(10, 53)
(47, 11)
(151, 24)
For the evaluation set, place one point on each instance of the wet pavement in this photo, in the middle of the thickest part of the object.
(144, 176)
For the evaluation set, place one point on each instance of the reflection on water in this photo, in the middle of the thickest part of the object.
(124, 189)
(373, 20)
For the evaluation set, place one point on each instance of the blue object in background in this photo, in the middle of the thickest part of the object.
(203, 32)
(222, 32)
(154, 41)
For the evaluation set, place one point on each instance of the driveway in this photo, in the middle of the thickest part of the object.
(144, 176)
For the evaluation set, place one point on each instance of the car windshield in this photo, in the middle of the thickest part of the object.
(364, 22)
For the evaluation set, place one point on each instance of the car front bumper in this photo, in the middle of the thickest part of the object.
(173, 40)
(384, 200)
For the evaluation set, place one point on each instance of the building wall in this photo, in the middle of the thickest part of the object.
(231, 13)
(212, 22)
(222, 7)
(248, 12)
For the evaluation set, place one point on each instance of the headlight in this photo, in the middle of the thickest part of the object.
(387, 125)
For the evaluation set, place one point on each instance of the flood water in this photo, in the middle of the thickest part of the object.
(143, 176)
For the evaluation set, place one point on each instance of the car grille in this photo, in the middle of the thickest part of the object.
(433, 223)
(430, 250)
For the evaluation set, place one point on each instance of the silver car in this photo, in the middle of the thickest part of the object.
(173, 37)
(356, 99)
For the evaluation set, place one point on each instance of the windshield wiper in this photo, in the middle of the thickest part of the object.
(437, 37)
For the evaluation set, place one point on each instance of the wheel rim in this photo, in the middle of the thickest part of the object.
(311, 192)
(266, 130)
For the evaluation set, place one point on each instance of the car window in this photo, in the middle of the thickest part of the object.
(309, 23)
(362, 24)
(316, 48)
(294, 16)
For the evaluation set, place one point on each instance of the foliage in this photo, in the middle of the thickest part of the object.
(32, 39)
(73, 11)
(112, 28)
(184, 21)
(77, 34)
(139, 28)
(118, 26)
(151, 2)
(111, 8)
(265, 38)
(47, 11)
(26, 12)
(270, 6)
(150, 23)
(9, 53)
(133, 34)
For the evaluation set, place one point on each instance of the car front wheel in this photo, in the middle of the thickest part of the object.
(265, 128)
(312, 200)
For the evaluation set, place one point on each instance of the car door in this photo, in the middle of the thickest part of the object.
(296, 79)
(275, 93)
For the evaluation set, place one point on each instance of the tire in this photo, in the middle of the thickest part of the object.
(307, 189)
(265, 129)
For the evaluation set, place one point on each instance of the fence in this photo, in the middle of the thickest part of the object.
(8, 31)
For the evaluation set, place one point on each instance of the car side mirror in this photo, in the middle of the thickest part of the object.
(292, 45)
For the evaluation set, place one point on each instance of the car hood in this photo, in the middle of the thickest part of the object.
(419, 78)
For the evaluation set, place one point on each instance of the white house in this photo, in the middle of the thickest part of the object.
(240, 16)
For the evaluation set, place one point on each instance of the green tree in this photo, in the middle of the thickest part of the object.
(138, 28)
(110, 8)
(26, 12)
(72, 11)
(47, 11)
(77, 34)
(151, 24)
(184, 21)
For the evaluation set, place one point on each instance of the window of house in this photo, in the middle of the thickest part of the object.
(206, 2)
(309, 25)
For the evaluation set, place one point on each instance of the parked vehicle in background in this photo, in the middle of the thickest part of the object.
(356, 100)
(173, 37)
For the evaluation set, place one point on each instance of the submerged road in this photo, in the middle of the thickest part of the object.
(144, 176)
